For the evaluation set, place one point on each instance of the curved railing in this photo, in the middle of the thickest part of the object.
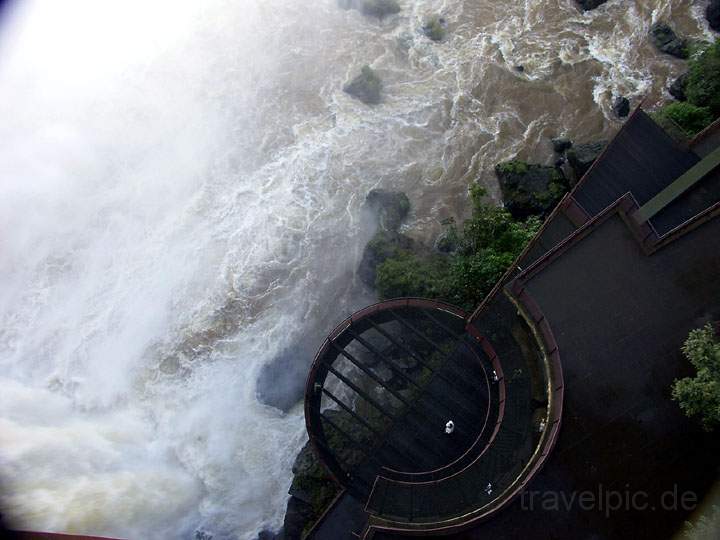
(544, 337)
(340, 337)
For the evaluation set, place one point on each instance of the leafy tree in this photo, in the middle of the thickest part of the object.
(486, 246)
(703, 84)
(699, 396)
(705, 526)
(688, 117)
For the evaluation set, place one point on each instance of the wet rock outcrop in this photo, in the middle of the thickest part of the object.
(530, 189)
(621, 106)
(677, 88)
(712, 14)
(366, 87)
(666, 40)
(383, 246)
(582, 156)
(372, 8)
(281, 382)
(561, 145)
(587, 5)
(435, 28)
(448, 241)
(388, 209)
(312, 489)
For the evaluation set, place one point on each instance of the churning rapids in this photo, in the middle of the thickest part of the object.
(180, 192)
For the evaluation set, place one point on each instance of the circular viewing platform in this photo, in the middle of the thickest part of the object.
(416, 414)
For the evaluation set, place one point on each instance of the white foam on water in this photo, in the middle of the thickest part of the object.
(99, 471)
(137, 196)
(180, 200)
(180, 192)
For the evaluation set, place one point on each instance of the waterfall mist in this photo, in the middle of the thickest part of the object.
(181, 185)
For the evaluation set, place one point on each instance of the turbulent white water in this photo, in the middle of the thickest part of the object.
(180, 185)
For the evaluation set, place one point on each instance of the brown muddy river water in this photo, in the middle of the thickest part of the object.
(180, 193)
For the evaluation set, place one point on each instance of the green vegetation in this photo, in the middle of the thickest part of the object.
(698, 91)
(690, 118)
(530, 189)
(699, 396)
(513, 167)
(703, 84)
(486, 246)
(555, 191)
(704, 527)
(408, 274)
(312, 490)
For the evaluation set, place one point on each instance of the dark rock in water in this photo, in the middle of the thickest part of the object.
(384, 245)
(435, 28)
(582, 156)
(379, 8)
(667, 41)
(281, 383)
(530, 189)
(621, 106)
(390, 208)
(712, 14)
(366, 87)
(677, 88)
(372, 8)
(519, 69)
(587, 5)
(560, 144)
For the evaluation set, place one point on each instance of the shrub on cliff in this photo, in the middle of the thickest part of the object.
(688, 117)
(530, 189)
(699, 396)
(409, 274)
(512, 167)
(487, 244)
(703, 82)
(383, 246)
